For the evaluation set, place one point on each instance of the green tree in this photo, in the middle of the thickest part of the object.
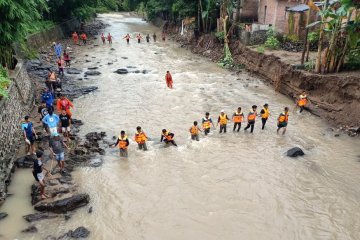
(14, 17)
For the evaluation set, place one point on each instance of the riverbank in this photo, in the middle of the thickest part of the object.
(64, 194)
(334, 97)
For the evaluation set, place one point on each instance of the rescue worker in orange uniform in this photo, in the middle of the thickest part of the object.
(123, 143)
(283, 120)
(84, 38)
(265, 113)
(302, 101)
(206, 123)
(251, 117)
(223, 119)
(238, 117)
(103, 38)
(139, 37)
(194, 131)
(140, 138)
(169, 81)
(75, 38)
(127, 37)
(167, 137)
(109, 38)
(64, 104)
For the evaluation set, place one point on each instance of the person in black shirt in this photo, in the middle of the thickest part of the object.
(167, 137)
(38, 172)
(65, 123)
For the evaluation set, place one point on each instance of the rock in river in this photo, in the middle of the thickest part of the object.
(73, 71)
(39, 216)
(25, 162)
(122, 71)
(92, 73)
(31, 229)
(294, 152)
(3, 215)
(64, 205)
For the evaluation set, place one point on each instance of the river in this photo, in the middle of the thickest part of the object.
(228, 186)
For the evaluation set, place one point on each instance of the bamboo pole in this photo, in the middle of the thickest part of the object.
(306, 35)
(321, 40)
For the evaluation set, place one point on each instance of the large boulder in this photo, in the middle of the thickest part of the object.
(294, 152)
(25, 162)
(64, 205)
(31, 229)
(80, 232)
(122, 71)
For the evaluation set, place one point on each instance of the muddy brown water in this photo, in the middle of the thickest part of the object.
(229, 186)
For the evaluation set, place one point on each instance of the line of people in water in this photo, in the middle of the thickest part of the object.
(238, 118)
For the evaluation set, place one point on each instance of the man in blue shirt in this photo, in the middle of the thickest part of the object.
(29, 132)
(51, 121)
(48, 98)
(58, 49)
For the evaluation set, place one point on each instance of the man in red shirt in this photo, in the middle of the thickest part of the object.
(64, 104)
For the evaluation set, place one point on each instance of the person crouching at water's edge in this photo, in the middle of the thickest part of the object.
(167, 137)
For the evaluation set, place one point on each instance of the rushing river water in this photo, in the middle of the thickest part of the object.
(229, 186)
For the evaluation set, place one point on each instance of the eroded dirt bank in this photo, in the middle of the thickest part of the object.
(335, 97)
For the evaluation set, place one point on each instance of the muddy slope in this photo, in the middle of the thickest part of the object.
(335, 97)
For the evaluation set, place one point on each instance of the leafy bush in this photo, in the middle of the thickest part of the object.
(85, 12)
(313, 37)
(260, 49)
(4, 82)
(220, 36)
(38, 26)
(272, 43)
(271, 32)
(353, 59)
(310, 65)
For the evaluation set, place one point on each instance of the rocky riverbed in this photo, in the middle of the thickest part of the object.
(64, 195)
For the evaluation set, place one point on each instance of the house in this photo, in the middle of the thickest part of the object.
(274, 13)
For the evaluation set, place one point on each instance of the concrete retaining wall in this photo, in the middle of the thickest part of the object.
(12, 111)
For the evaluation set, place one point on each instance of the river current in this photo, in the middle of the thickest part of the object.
(228, 186)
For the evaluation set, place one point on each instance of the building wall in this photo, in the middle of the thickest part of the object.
(275, 13)
(249, 10)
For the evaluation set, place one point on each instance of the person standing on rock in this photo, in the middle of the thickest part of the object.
(127, 37)
(237, 117)
(167, 137)
(51, 121)
(154, 37)
(139, 37)
(57, 146)
(58, 49)
(65, 124)
(283, 120)
(251, 119)
(103, 38)
(140, 138)
(206, 123)
(43, 111)
(169, 80)
(66, 59)
(223, 119)
(84, 38)
(60, 64)
(302, 101)
(38, 174)
(64, 104)
(194, 131)
(265, 113)
(29, 135)
(48, 98)
(75, 38)
(123, 143)
(109, 38)
(148, 38)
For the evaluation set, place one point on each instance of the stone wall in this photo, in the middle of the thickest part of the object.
(12, 111)
(60, 31)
